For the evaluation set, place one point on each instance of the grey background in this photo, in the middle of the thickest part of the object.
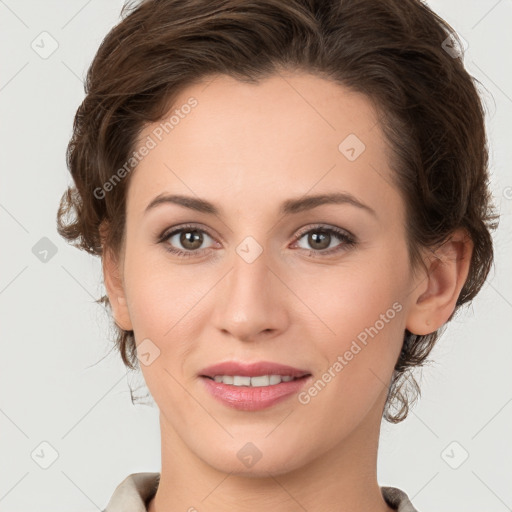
(61, 384)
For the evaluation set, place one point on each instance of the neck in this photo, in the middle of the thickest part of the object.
(342, 479)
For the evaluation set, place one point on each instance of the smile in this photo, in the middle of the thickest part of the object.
(258, 381)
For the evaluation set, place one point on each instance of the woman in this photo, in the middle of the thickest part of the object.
(290, 200)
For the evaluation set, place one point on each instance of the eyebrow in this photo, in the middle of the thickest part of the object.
(288, 207)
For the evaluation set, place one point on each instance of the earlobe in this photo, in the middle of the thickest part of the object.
(438, 290)
(115, 289)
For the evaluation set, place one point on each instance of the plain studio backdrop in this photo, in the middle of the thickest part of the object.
(68, 430)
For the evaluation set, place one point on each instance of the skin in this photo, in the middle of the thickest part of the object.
(247, 148)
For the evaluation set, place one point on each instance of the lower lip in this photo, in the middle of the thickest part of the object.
(248, 398)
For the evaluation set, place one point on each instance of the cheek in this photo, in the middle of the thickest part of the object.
(157, 295)
(165, 304)
(360, 316)
(160, 305)
(354, 302)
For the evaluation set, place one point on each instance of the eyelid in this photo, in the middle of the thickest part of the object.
(326, 227)
(180, 227)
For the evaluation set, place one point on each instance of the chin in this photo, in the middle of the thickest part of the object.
(261, 469)
(255, 459)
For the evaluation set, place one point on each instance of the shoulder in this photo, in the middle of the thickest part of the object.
(133, 492)
(397, 499)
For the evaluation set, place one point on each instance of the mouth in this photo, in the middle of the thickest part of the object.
(252, 387)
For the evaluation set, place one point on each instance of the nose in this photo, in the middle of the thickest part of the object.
(251, 302)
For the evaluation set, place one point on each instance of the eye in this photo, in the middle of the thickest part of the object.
(189, 237)
(320, 238)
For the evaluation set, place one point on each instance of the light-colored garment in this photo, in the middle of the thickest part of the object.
(132, 494)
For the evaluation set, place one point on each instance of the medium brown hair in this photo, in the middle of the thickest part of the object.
(393, 51)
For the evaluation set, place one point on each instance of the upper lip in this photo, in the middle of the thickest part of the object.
(252, 369)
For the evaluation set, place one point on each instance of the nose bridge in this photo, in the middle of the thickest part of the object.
(251, 301)
(250, 274)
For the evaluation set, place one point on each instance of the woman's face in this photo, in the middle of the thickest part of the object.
(273, 275)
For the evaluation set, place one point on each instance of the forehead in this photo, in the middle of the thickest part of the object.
(279, 138)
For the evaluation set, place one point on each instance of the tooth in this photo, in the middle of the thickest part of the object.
(241, 381)
(275, 379)
(262, 380)
(258, 381)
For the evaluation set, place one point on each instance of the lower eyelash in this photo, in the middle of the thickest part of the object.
(180, 253)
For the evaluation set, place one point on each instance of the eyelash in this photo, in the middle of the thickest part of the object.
(347, 239)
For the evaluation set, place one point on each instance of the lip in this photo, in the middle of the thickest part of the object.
(248, 398)
(252, 369)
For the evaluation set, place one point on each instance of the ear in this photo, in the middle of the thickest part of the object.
(112, 275)
(436, 295)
